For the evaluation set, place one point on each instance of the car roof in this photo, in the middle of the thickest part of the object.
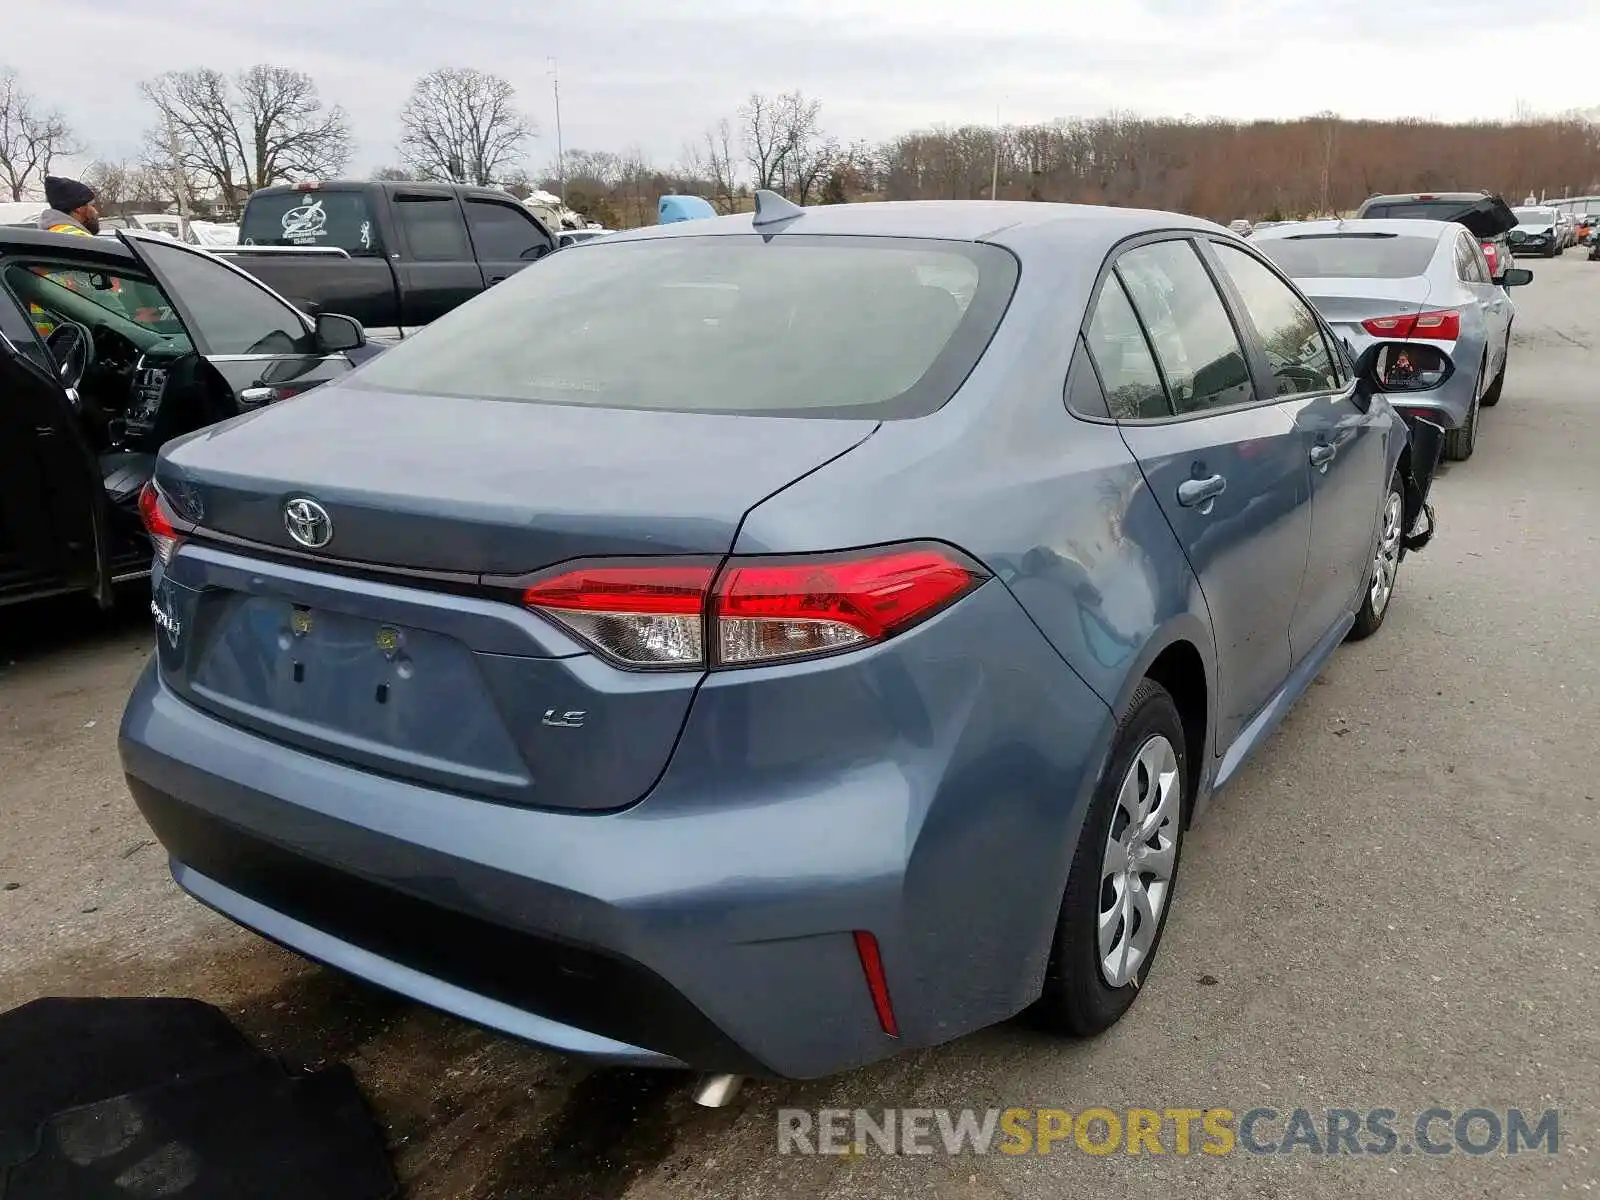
(1398, 226)
(1008, 222)
(13, 238)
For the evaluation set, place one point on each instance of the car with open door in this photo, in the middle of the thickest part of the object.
(108, 349)
(1486, 216)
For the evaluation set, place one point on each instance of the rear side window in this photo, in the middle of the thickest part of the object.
(1350, 255)
(1299, 357)
(502, 233)
(795, 326)
(1132, 384)
(335, 220)
(1188, 324)
(433, 228)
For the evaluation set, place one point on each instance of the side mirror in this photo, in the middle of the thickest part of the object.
(336, 332)
(1365, 368)
(1515, 277)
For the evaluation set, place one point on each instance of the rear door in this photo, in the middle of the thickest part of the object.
(52, 511)
(505, 237)
(264, 349)
(438, 271)
(1345, 446)
(1472, 271)
(1226, 465)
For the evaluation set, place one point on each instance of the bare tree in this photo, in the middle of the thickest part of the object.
(765, 138)
(30, 136)
(288, 133)
(462, 124)
(266, 126)
(393, 174)
(784, 144)
(718, 163)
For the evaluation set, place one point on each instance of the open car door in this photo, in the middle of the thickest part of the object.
(263, 347)
(1487, 218)
(53, 518)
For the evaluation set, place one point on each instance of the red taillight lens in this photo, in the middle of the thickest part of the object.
(757, 610)
(1492, 253)
(642, 616)
(817, 605)
(1436, 326)
(157, 523)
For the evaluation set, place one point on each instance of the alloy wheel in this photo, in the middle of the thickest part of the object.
(1386, 558)
(1140, 857)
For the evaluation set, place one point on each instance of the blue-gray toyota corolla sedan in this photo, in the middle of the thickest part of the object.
(767, 643)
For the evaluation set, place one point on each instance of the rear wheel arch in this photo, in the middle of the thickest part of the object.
(1182, 672)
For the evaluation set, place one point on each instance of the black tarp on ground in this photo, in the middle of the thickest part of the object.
(164, 1097)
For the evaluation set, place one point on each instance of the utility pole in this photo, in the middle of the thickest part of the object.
(180, 182)
(561, 155)
(994, 178)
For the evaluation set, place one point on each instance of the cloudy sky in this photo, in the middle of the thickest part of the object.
(654, 74)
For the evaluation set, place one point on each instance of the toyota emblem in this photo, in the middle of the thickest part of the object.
(308, 523)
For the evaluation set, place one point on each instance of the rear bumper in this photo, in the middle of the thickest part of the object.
(711, 925)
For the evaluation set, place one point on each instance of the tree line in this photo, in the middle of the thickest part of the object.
(217, 137)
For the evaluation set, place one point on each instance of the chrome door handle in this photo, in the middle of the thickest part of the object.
(1322, 454)
(252, 396)
(1199, 493)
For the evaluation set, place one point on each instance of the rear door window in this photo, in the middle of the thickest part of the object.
(1189, 327)
(505, 232)
(1290, 333)
(433, 228)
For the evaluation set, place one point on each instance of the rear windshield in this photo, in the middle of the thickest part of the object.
(1350, 256)
(1534, 216)
(791, 326)
(336, 220)
(1417, 210)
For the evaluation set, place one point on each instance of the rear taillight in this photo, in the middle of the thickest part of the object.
(1491, 252)
(755, 610)
(158, 522)
(1436, 326)
(642, 616)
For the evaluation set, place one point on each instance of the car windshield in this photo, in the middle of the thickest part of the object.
(796, 326)
(1350, 256)
(1534, 216)
(313, 218)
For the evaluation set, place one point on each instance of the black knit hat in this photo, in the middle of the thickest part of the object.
(64, 195)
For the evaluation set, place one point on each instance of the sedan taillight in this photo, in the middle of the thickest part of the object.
(755, 610)
(1436, 326)
(158, 522)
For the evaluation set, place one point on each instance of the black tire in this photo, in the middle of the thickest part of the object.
(1492, 396)
(1370, 617)
(1460, 443)
(1078, 1000)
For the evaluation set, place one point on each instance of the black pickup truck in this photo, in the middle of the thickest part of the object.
(392, 255)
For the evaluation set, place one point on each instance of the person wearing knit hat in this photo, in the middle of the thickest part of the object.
(71, 208)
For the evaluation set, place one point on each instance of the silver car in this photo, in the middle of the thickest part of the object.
(1415, 304)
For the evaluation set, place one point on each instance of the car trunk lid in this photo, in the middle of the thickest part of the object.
(1351, 301)
(386, 651)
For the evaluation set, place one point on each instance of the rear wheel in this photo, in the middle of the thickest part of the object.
(1460, 443)
(1385, 568)
(1119, 890)
(1492, 396)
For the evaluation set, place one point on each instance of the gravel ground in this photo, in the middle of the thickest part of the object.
(1389, 908)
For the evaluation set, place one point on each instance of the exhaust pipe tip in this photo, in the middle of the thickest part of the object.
(717, 1091)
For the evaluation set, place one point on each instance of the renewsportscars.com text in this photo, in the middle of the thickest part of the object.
(1215, 1132)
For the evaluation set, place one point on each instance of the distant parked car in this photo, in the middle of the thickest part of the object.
(1538, 231)
(775, 686)
(1416, 303)
(571, 237)
(1485, 214)
(1241, 227)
